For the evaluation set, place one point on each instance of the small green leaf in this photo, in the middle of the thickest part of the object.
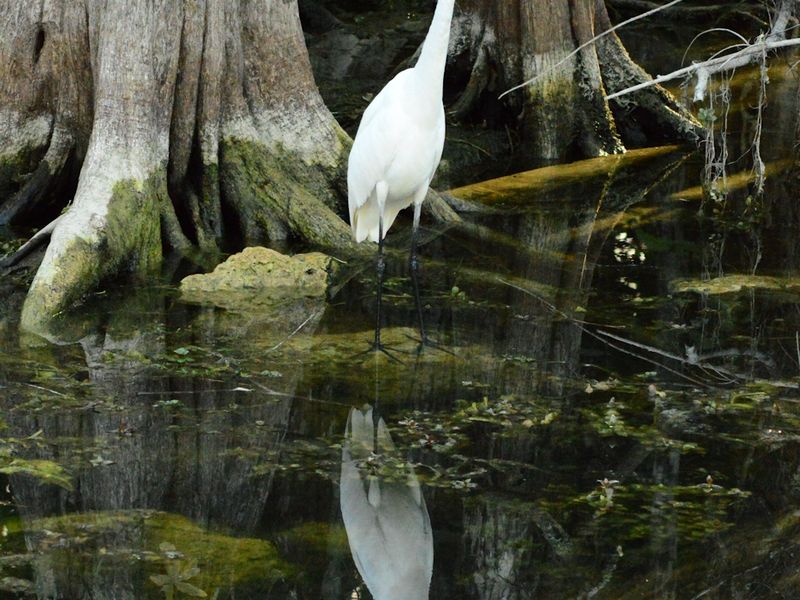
(160, 580)
(190, 572)
(190, 590)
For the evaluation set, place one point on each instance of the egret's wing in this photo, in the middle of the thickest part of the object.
(387, 523)
(377, 141)
(440, 127)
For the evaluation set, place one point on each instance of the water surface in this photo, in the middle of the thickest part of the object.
(611, 419)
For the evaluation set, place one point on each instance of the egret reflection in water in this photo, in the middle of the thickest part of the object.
(384, 513)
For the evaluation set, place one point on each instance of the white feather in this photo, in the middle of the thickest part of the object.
(400, 139)
(387, 522)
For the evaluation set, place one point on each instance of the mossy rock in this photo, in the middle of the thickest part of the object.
(260, 276)
(730, 284)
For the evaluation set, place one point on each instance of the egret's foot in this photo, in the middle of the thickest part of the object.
(429, 343)
(376, 346)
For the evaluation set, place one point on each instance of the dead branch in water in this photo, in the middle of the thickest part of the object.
(765, 43)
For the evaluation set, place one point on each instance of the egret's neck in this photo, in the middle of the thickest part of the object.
(434, 51)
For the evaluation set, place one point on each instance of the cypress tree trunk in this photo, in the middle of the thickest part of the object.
(563, 115)
(176, 123)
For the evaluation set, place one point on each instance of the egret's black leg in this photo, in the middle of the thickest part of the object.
(414, 264)
(380, 269)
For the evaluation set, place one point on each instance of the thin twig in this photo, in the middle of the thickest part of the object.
(472, 145)
(39, 387)
(718, 64)
(728, 376)
(745, 42)
(797, 345)
(291, 335)
(192, 392)
(555, 309)
(604, 341)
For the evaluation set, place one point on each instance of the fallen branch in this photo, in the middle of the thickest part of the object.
(704, 70)
(299, 327)
(606, 342)
(724, 376)
(710, 67)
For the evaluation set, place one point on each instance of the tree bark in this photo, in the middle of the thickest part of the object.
(563, 115)
(193, 124)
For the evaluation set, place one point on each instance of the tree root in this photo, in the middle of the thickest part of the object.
(672, 120)
(112, 227)
(40, 238)
(439, 209)
(478, 81)
(48, 175)
(597, 130)
(270, 204)
(172, 234)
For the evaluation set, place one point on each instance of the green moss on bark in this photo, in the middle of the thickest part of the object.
(164, 537)
(274, 194)
(130, 241)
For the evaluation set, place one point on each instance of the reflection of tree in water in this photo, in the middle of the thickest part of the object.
(751, 229)
(559, 236)
(742, 442)
(183, 444)
(507, 541)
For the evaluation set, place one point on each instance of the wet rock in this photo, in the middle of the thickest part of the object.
(260, 276)
(316, 18)
(334, 53)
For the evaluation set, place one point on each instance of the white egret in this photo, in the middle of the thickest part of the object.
(386, 520)
(397, 149)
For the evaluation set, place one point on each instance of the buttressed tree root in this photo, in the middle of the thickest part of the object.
(180, 124)
(563, 114)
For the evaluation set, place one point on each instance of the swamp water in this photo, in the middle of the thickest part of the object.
(617, 415)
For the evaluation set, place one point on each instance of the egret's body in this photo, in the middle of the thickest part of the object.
(398, 147)
(386, 520)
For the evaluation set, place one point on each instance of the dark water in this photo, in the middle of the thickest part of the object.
(601, 429)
